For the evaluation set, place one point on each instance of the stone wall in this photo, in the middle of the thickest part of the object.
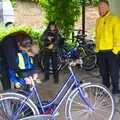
(28, 13)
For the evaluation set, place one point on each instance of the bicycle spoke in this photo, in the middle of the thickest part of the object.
(100, 100)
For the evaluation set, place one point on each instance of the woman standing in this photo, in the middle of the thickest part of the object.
(51, 38)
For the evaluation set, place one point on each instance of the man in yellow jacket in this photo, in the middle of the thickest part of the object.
(108, 46)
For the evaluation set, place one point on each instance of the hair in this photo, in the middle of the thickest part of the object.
(25, 42)
(51, 23)
(105, 1)
(23, 39)
(34, 49)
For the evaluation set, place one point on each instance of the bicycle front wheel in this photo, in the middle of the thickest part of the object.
(99, 99)
(14, 106)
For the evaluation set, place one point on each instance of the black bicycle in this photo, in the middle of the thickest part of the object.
(83, 50)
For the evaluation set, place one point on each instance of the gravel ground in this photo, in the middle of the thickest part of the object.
(49, 89)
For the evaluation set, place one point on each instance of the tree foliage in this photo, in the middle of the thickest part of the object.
(64, 12)
(92, 2)
(13, 1)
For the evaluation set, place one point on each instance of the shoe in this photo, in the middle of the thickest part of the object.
(115, 91)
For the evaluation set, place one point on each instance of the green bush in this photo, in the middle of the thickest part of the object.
(35, 34)
(13, 1)
(92, 2)
(64, 12)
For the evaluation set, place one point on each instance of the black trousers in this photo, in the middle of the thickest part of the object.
(6, 83)
(109, 68)
(50, 55)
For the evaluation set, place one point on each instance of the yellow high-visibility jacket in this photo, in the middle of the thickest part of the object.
(108, 33)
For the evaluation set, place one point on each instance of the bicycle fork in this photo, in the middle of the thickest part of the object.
(22, 106)
(15, 115)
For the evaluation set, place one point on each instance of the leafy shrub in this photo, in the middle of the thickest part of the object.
(13, 1)
(35, 34)
(92, 2)
(65, 13)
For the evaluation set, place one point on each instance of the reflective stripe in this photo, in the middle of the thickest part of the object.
(31, 60)
(21, 63)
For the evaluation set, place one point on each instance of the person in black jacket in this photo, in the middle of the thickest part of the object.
(8, 51)
(51, 38)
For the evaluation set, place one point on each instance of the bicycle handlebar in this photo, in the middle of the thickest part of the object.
(76, 62)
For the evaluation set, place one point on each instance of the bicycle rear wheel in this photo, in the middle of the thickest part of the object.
(98, 97)
(89, 62)
(10, 106)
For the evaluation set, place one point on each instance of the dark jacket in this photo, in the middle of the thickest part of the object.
(9, 47)
(24, 62)
(56, 38)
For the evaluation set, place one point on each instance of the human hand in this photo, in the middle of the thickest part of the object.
(35, 76)
(50, 38)
(50, 46)
(17, 85)
(28, 81)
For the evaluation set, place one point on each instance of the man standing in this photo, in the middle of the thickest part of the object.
(108, 46)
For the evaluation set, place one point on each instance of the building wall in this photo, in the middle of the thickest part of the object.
(115, 6)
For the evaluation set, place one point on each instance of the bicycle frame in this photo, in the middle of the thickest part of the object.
(65, 54)
(70, 53)
(73, 51)
(62, 90)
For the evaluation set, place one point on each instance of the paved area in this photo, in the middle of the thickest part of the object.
(49, 89)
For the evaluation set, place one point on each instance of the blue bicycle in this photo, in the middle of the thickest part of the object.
(84, 102)
(81, 50)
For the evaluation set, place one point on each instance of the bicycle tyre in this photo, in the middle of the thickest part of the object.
(101, 99)
(9, 104)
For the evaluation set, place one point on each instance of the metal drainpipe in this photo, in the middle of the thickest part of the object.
(83, 17)
(1, 12)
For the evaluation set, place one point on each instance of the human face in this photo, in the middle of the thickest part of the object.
(52, 27)
(103, 8)
(30, 54)
(23, 48)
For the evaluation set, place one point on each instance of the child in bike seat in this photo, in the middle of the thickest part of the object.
(24, 60)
